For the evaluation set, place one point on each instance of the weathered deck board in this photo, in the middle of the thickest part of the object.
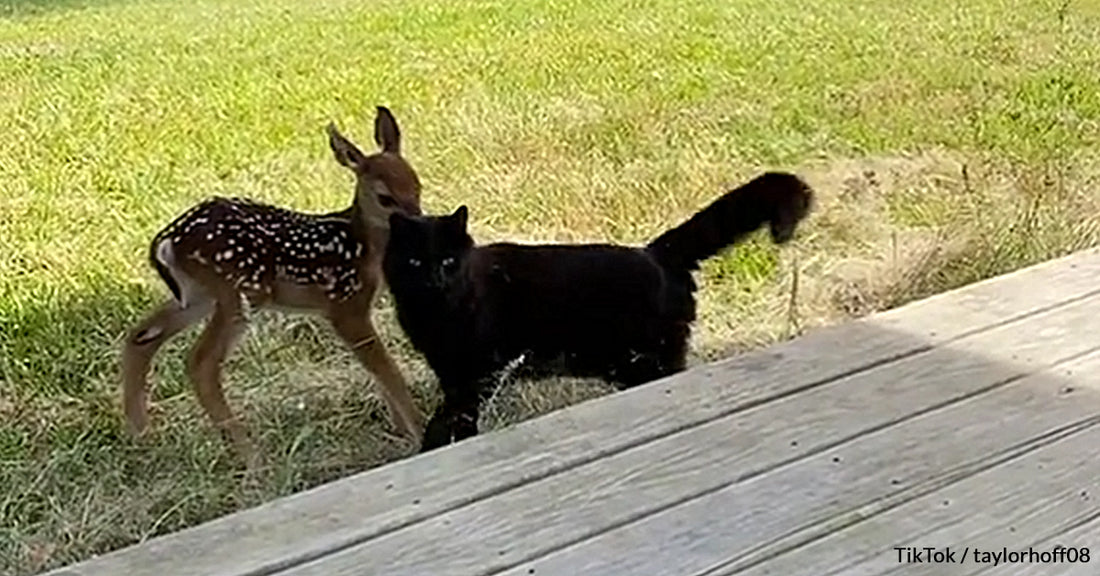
(988, 511)
(415, 496)
(789, 507)
(760, 510)
(746, 445)
(1085, 536)
(1049, 491)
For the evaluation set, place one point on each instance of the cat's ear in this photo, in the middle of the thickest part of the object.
(460, 217)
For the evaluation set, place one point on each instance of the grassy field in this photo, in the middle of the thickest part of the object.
(949, 141)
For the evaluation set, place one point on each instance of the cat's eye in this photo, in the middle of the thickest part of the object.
(414, 262)
(448, 262)
(387, 201)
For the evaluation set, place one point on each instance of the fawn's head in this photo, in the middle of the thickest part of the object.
(385, 182)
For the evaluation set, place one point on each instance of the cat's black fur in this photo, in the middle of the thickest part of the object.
(615, 312)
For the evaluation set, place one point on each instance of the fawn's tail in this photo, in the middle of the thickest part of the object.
(780, 199)
(156, 252)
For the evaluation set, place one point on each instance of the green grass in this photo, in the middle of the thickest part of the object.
(555, 120)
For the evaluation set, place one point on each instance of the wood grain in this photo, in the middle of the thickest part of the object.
(1019, 504)
(1085, 537)
(750, 523)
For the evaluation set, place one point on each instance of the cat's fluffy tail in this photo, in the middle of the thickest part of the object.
(779, 199)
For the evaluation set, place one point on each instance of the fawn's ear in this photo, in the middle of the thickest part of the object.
(459, 218)
(345, 152)
(386, 133)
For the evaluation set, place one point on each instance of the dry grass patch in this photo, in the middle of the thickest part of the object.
(887, 230)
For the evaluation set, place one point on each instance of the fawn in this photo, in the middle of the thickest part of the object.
(226, 253)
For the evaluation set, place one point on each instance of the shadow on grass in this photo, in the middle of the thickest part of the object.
(77, 484)
(62, 346)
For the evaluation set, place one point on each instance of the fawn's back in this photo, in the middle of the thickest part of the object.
(264, 252)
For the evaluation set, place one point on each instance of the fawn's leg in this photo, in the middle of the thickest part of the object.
(357, 331)
(204, 368)
(142, 344)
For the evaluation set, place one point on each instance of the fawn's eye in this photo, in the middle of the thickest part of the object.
(448, 262)
(387, 201)
(414, 262)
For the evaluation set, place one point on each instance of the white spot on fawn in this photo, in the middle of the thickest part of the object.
(197, 257)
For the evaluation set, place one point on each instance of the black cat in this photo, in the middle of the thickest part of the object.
(594, 310)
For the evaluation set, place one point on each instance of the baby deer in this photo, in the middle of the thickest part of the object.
(226, 253)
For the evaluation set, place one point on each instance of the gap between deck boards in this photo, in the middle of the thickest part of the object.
(987, 510)
(1025, 430)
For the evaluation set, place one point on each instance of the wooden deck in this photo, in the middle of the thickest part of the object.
(968, 421)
